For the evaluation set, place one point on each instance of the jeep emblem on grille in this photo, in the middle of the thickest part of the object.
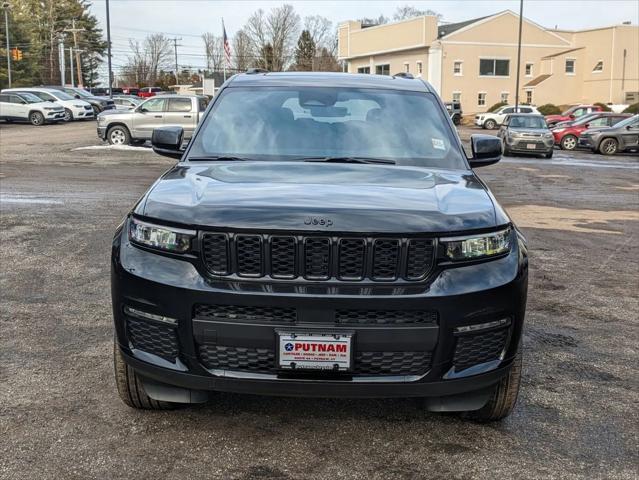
(321, 221)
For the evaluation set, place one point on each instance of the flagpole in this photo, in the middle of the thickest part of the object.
(224, 31)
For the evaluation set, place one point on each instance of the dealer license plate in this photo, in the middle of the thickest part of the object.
(531, 146)
(317, 351)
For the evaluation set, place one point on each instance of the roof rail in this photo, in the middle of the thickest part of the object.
(253, 71)
(404, 75)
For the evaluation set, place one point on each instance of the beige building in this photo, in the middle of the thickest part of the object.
(475, 61)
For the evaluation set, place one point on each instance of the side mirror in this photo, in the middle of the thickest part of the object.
(587, 125)
(77, 96)
(167, 141)
(571, 116)
(486, 150)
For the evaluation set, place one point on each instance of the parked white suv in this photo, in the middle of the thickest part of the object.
(26, 107)
(74, 109)
(491, 120)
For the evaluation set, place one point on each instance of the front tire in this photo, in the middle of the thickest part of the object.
(131, 389)
(490, 124)
(549, 154)
(119, 135)
(36, 119)
(569, 142)
(608, 146)
(504, 397)
(68, 115)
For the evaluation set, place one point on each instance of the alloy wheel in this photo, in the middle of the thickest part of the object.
(118, 137)
(36, 119)
(609, 147)
(569, 142)
(68, 116)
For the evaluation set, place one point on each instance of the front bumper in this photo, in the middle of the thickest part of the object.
(586, 142)
(83, 113)
(102, 132)
(530, 145)
(469, 295)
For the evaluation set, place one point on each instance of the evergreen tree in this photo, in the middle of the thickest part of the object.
(305, 52)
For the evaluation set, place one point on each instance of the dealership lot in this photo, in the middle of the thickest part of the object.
(61, 196)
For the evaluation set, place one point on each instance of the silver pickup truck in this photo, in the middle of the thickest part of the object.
(136, 126)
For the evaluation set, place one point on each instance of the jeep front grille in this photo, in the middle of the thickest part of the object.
(317, 257)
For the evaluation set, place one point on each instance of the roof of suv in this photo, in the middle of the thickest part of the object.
(329, 79)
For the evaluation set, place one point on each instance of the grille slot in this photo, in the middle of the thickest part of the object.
(235, 313)
(351, 258)
(215, 250)
(153, 338)
(385, 261)
(249, 255)
(283, 257)
(261, 360)
(385, 317)
(317, 257)
(420, 258)
(475, 349)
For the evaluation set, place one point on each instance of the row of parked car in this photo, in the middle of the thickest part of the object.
(50, 104)
(580, 126)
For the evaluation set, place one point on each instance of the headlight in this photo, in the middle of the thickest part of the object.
(479, 246)
(164, 238)
(550, 135)
(558, 130)
(78, 106)
(50, 108)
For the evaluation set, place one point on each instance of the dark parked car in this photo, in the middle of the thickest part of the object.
(526, 133)
(621, 137)
(322, 235)
(455, 112)
(567, 135)
(99, 104)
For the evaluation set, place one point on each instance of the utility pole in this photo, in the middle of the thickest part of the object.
(108, 22)
(71, 65)
(521, 17)
(5, 6)
(175, 45)
(61, 60)
(75, 31)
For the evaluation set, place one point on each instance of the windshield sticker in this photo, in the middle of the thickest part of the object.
(438, 143)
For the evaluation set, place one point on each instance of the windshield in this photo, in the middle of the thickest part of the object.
(293, 123)
(61, 95)
(585, 119)
(30, 97)
(527, 121)
(627, 121)
(81, 92)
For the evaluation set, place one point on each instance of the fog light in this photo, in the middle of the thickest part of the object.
(134, 312)
(483, 326)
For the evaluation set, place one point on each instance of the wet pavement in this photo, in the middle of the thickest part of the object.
(60, 416)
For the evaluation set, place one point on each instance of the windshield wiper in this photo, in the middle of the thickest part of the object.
(348, 160)
(218, 158)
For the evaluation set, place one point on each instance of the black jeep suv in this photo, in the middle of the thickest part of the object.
(322, 235)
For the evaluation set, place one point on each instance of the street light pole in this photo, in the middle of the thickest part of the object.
(108, 24)
(521, 17)
(5, 6)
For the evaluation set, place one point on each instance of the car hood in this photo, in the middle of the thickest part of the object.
(299, 196)
(591, 131)
(557, 118)
(532, 131)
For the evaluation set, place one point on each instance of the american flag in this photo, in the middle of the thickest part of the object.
(227, 46)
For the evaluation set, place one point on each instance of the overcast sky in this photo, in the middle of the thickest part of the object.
(190, 18)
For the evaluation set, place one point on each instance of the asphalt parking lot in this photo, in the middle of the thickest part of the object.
(61, 197)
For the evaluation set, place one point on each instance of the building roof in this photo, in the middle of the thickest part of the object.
(443, 30)
(537, 80)
(558, 54)
(329, 79)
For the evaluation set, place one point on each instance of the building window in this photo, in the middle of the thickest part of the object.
(364, 70)
(481, 99)
(407, 67)
(382, 69)
(529, 69)
(420, 68)
(599, 67)
(491, 67)
(529, 98)
(504, 97)
(570, 66)
(457, 97)
(458, 68)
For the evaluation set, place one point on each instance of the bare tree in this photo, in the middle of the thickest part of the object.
(241, 52)
(321, 30)
(408, 11)
(157, 49)
(273, 36)
(214, 47)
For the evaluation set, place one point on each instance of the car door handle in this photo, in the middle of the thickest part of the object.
(157, 116)
(187, 116)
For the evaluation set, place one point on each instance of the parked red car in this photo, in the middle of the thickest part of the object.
(573, 112)
(147, 92)
(567, 136)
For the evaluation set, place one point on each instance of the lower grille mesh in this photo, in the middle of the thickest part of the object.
(153, 338)
(237, 313)
(385, 317)
(475, 349)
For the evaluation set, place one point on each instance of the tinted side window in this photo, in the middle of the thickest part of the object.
(179, 105)
(526, 110)
(16, 99)
(508, 110)
(4, 98)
